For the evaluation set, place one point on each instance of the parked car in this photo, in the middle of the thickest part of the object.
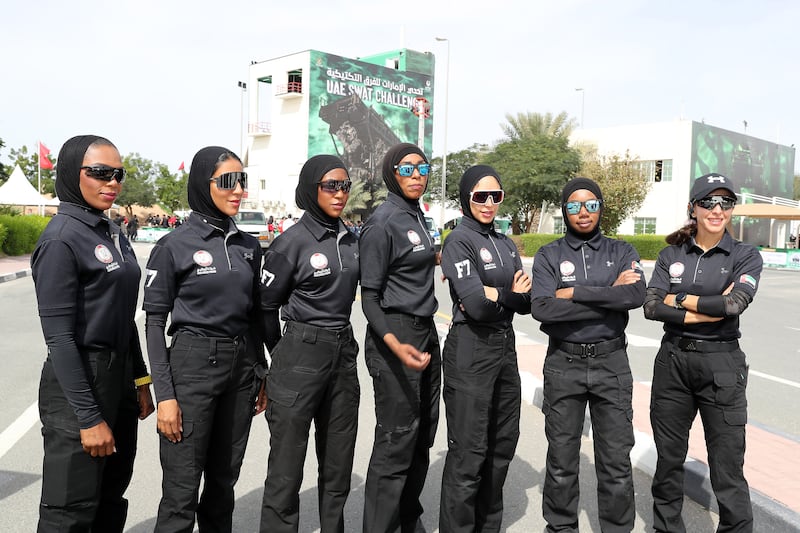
(434, 233)
(254, 222)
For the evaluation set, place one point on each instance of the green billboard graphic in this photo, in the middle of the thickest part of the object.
(358, 110)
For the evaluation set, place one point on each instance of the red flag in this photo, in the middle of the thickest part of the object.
(181, 167)
(44, 161)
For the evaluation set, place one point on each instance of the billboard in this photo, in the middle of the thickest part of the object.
(756, 166)
(358, 110)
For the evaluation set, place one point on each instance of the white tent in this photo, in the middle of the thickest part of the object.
(19, 191)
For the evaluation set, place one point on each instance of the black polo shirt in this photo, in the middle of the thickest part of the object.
(78, 269)
(208, 280)
(311, 273)
(687, 268)
(473, 257)
(398, 258)
(598, 311)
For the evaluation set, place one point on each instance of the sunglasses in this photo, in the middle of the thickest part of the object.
(335, 185)
(406, 169)
(228, 181)
(482, 197)
(105, 173)
(709, 202)
(592, 206)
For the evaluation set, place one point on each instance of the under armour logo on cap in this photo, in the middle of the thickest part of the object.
(718, 178)
(708, 183)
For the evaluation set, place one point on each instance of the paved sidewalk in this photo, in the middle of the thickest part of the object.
(12, 268)
(770, 459)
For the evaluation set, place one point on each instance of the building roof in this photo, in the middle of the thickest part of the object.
(777, 212)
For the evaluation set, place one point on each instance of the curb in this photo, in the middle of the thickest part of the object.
(769, 514)
(15, 275)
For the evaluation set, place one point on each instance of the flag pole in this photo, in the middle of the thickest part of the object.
(39, 179)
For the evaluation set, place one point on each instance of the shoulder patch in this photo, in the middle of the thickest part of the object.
(747, 279)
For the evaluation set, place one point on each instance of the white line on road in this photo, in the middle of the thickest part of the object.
(18, 428)
(782, 381)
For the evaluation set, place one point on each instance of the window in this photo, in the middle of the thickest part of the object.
(559, 228)
(295, 81)
(644, 226)
(666, 169)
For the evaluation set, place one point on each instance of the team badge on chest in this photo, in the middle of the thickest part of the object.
(203, 260)
(414, 239)
(104, 255)
(676, 272)
(567, 269)
(319, 262)
(488, 260)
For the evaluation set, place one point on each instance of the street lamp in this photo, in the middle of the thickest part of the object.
(444, 157)
(583, 101)
(243, 87)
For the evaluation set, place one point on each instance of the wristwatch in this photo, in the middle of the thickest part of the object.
(679, 298)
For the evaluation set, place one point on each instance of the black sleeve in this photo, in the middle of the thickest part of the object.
(545, 307)
(656, 309)
(135, 349)
(371, 305)
(69, 370)
(271, 326)
(516, 301)
(481, 309)
(155, 323)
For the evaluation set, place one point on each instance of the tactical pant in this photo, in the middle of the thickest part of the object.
(482, 396)
(313, 377)
(80, 492)
(407, 414)
(711, 378)
(215, 385)
(602, 379)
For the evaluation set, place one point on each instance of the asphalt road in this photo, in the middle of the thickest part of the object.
(771, 340)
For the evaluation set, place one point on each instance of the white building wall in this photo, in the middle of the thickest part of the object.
(667, 200)
(277, 157)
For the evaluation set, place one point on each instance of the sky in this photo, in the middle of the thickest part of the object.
(161, 77)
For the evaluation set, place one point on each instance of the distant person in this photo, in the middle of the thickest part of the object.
(702, 282)
(133, 228)
(584, 285)
(482, 389)
(288, 222)
(310, 276)
(402, 344)
(94, 384)
(209, 382)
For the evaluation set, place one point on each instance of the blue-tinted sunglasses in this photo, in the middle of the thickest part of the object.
(592, 206)
(406, 169)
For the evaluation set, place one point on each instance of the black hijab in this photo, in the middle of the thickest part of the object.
(68, 168)
(203, 167)
(305, 195)
(468, 181)
(393, 156)
(577, 184)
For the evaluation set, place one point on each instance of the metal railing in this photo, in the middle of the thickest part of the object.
(293, 87)
(774, 200)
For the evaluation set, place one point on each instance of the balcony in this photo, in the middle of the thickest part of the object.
(259, 129)
(293, 89)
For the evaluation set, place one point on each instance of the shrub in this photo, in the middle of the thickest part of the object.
(648, 246)
(22, 233)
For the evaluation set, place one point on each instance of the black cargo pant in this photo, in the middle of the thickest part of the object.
(710, 377)
(482, 396)
(81, 492)
(313, 377)
(407, 415)
(599, 374)
(215, 385)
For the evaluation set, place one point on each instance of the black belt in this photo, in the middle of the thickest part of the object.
(698, 345)
(590, 349)
(311, 334)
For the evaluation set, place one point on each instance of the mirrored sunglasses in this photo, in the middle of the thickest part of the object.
(406, 169)
(709, 202)
(335, 185)
(482, 197)
(105, 173)
(228, 181)
(592, 206)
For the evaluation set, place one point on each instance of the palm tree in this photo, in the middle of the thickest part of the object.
(530, 124)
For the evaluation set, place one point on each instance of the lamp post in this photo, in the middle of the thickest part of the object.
(583, 102)
(444, 156)
(243, 87)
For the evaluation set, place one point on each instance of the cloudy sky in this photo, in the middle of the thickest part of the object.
(160, 77)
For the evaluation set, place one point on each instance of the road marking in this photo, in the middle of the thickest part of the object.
(11, 435)
(782, 381)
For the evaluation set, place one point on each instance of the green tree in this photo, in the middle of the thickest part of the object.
(457, 163)
(533, 170)
(140, 178)
(623, 182)
(796, 195)
(535, 124)
(28, 162)
(171, 189)
(3, 171)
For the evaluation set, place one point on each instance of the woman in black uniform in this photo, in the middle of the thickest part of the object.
(87, 281)
(205, 275)
(482, 391)
(402, 345)
(310, 274)
(700, 286)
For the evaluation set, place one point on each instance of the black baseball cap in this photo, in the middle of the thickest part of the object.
(706, 184)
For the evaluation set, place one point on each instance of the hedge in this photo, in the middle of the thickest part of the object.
(22, 233)
(528, 244)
